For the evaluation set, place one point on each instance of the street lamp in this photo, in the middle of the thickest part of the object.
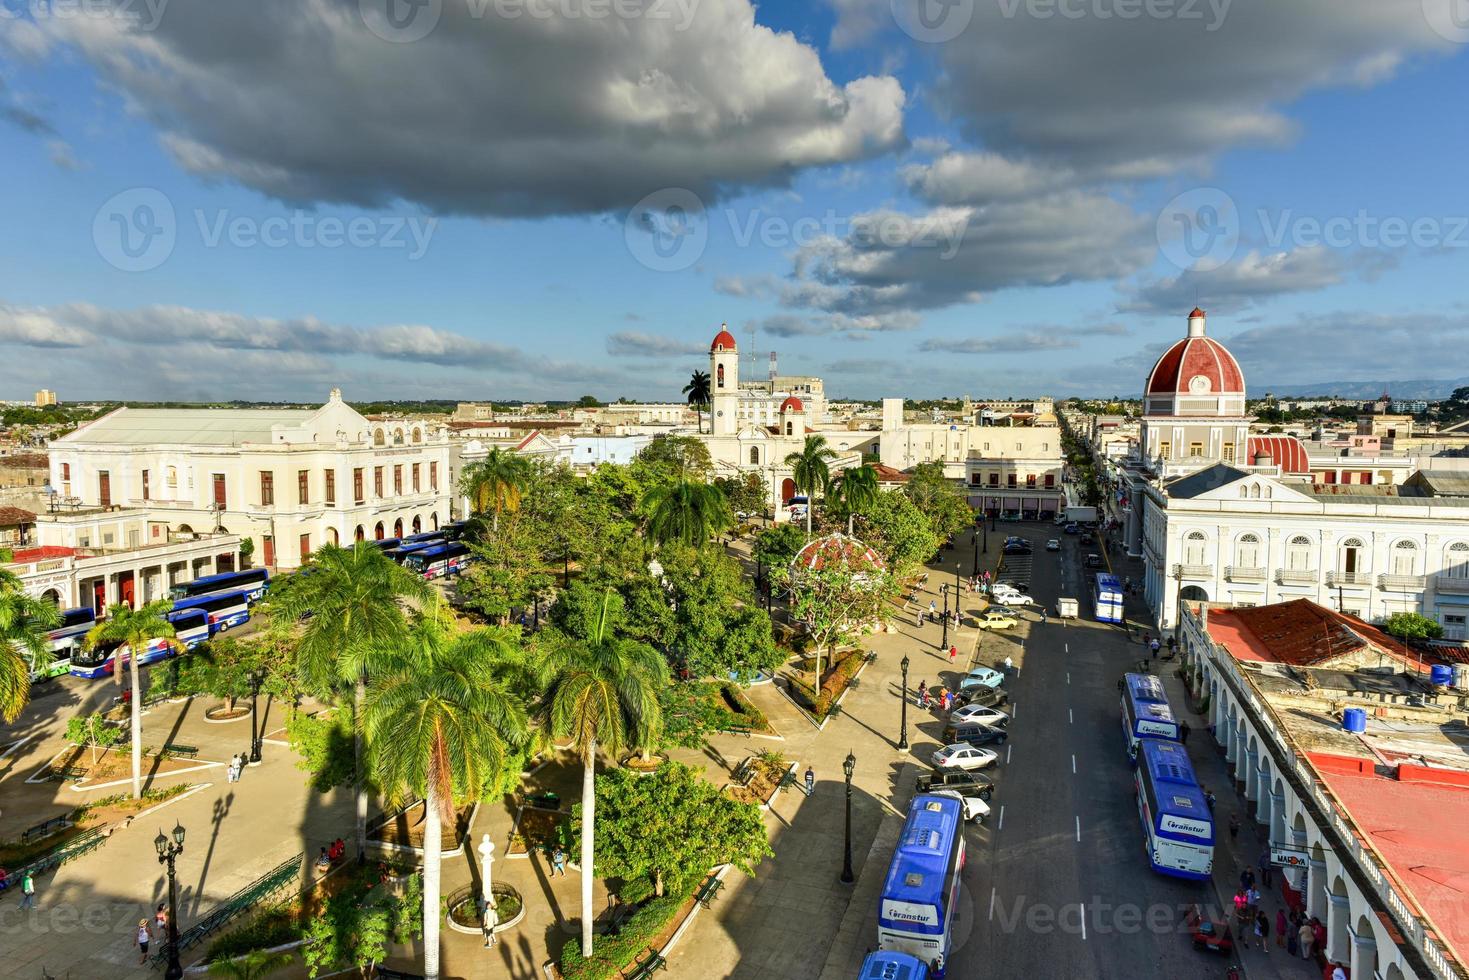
(944, 588)
(903, 728)
(849, 766)
(256, 678)
(974, 540)
(167, 851)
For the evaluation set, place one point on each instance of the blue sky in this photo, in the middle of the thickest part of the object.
(976, 212)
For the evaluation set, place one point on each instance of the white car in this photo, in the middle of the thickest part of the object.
(979, 714)
(975, 809)
(1053, 545)
(963, 756)
(1013, 597)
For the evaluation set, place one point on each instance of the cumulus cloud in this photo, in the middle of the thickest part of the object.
(1250, 279)
(1030, 339)
(826, 324)
(629, 343)
(487, 114)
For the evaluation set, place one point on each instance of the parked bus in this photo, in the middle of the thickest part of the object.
(1178, 828)
(916, 911)
(454, 530)
(252, 580)
(892, 966)
(191, 628)
(225, 610)
(1145, 711)
(62, 642)
(424, 538)
(1107, 598)
(405, 549)
(438, 561)
(387, 544)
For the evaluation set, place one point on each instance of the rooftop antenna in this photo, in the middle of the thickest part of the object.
(773, 371)
(753, 363)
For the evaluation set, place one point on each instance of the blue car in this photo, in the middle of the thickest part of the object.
(982, 677)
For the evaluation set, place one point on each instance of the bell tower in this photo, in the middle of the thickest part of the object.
(724, 384)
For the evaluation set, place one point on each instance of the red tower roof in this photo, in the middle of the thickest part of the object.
(724, 340)
(1196, 356)
(1288, 452)
(1196, 312)
(792, 404)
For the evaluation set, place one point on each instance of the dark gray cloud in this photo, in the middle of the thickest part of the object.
(629, 343)
(1252, 278)
(1039, 338)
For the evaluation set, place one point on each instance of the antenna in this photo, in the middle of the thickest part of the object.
(773, 371)
(753, 328)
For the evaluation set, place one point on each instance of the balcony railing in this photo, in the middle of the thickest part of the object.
(1195, 571)
(1458, 585)
(1401, 583)
(1353, 579)
(1244, 573)
(1298, 576)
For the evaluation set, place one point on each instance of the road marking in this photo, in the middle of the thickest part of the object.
(992, 904)
(1083, 921)
(1073, 764)
(1068, 677)
(1067, 646)
(1014, 710)
(1070, 718)
(1007, 753)
(1078, 830)
(1001, 825)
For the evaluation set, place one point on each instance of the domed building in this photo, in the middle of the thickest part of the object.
(1194, 405)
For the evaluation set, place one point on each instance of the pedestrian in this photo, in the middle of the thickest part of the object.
(1043, 614)
(1262, 931)
(558, 856)
(811, 776)
(491, 920)
(920, 616)
(144, 935)
(1280, 927)
(1248, 877)
(1267, 875)
(27, 891)
(933, 610)
(161, 918)
(1293, 940)
(948, 700)
(1254, 897)
(953, 652)
(1338, 973)
(922, 691)
(1153, 645)
(1183, 732)
(1306, 937)
(1233, 826)
(1318, 932)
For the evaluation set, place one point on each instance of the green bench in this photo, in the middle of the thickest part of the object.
(68, 772)
(743, 772)
(744, 730)
(647, 966)
(263, 890)
(708, 890)
(74, 848)
(44, 829)
(181, 751)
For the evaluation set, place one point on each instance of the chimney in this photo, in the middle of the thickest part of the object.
(1196, 323)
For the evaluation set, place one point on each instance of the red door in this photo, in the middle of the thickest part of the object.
(219, 495)
(125, 588)
(787, 490)
(99, 596)
(104, 488)
(269, 547)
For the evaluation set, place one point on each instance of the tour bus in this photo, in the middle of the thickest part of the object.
(454, 530)
(916, 911)
(63, 642)
(252, 580)
(438, 561)
(387, 544)
(225, 610)
(892, 966)
(1107, 597)
(1178, 828)
(191, 628)
(424, 538)
(1145, 711)
(405, 549)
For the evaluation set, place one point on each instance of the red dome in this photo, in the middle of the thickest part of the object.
(1196, 365)
(792, 404)
(724, 340)
(1196, 312)
(1287, 452)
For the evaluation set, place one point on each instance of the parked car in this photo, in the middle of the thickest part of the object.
(982, 677)
(979, 713)
(1012, 597)
(989, 697)
(962, 756)
(974, 733)
(975, 809)
(999, 608)
(1054, 544)
(1071, 528)
(1018, 548)
(1093, 561)
(991, 620)
(961, 781)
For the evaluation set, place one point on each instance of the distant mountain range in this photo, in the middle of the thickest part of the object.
(1365, 390)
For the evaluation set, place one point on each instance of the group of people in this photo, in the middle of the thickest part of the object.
(330, 855)
(237, 766)
(926, 699)
(148, 927)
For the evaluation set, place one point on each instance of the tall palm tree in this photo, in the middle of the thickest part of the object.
(810, 472)
(24, 623)
(354, 599)
(699, 394)
(603, 692)
(858, 489)
(496, 483)
(136, 629)
(685, 511)
(438, 725)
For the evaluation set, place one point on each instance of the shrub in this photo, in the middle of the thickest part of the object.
(832, 685)
(614, 954)
(325, 747)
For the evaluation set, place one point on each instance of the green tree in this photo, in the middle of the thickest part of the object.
(495, 483)
(255, 965)
(855, 493)
(810, 471)
(777, 545)
(232, 666)
(507, 573)
(93, 732)
(669, 458)
(603, 692)
(900, 533)
(836, 594)
(685, 512)
(25, 622)
(717, 629)
(136, 629)
(1412, 626)
(672, 826)
(746, 493)
(940, 499)
(438, 724)
(588, 401)
(352, 601)
(698, 394)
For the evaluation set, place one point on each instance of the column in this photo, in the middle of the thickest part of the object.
(1316, 893)
(1262, 797)
(1251, 776)
(1298, 875)
(1277, 817)
(1364, 956)
(1231, 744)
(1338, 930)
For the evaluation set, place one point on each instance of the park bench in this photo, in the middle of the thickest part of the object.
(387, 973)
(67, 772)
(44, 829)
(743, 772)
(708, 890)
(652, 962)
(74, 848)
(181, 751)
(739, 730)
(261, 890)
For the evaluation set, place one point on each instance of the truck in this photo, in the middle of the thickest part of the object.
(1066, 608)
(1082, 515)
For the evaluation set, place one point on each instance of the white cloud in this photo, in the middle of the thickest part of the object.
(630, 343)
(1248, 280)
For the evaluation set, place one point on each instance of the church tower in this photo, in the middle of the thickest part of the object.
(724, 384)
(1194, 406)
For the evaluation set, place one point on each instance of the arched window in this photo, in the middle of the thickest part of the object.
(360, 534)
(417, 524)
(435, 516)
(1255, 492)
(1194, 546)
(398, 528)
(331, 536)
(1405, 558)
(1244, 493)
(418, 435)
(1298, 554)
(719, 375)
(377, 532)
(790, 428)
(754, 455)
(1456, 561)
(1247, 551)
(378, 439)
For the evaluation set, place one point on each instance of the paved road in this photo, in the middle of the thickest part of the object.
(1057, 881)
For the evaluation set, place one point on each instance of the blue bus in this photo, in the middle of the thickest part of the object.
(224, 609)
(63, 642)
(1145, 711)
(916, 911)
(892, 966)
(406, 548)
(1178, 829)
(1107, 598)
(438, 561)
(387, 544)
(252, 580)
(191, 628)
(454, 530)
(426, 536)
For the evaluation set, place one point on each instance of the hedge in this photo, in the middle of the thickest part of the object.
(613, 954)
(832, 685)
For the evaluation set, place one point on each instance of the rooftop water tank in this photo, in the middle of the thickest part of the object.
(1461, 676)
(1354, 720)
(1441, 675)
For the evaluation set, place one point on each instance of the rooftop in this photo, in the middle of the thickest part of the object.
(188, 426)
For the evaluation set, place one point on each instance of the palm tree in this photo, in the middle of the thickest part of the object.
(136, 629)
(255, 965)
(438, 725)
(685, 511)
(699, 394)
(496, 483)
(354, 598)
(24, 623)
(858, 489)
(810, 472)
(603, 692)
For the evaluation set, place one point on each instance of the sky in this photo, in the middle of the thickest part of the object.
(527, 199)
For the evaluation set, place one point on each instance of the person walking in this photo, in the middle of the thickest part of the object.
(1254, 896)
(1293, 939)
(160, 917)
(920, 617)
(933, 611)
(1267, 875)
(558, 860)
(1043, 614)
(1280, 927)
(1233, 826)
(811, 776)
(1246, 880)
(922, 691)
(1262, 931)
(145, 935)
(1153, 646)
(1307, 938)
(953, 653)
(28, 891)
(948, 700)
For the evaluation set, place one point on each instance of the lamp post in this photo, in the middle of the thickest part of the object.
(168, 850)
(974, 540)
(255, 735)
(1177, 595)
(944, 641)
(903, 726)
(849, 766)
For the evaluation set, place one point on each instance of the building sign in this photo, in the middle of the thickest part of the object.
(1180, 825)
(1285, 856)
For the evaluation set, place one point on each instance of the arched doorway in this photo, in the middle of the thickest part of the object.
(52, 596)
(360, 534)
(331, 536)
(787, 489)
(417, 524)
(1192, 593)
(435, 518)
(398, 528)
(377, 532)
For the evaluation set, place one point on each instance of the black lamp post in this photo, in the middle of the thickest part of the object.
(944, 641)
(974, 572)
(255, 680)
(167, 851)
(903, 727)
(849, 766)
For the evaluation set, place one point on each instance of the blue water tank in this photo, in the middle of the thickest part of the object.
(1354, 720)
(1442, 675)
